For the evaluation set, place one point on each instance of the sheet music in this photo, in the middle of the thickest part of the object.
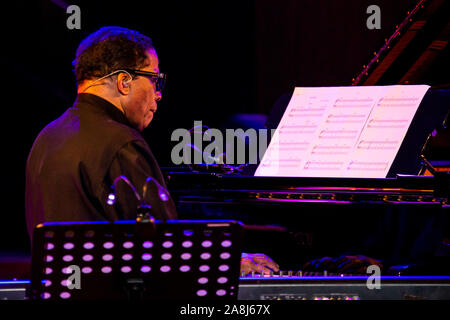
(341, 131)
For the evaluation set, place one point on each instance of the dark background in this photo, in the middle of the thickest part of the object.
(221, 57)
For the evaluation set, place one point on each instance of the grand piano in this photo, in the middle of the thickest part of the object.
(402, 220)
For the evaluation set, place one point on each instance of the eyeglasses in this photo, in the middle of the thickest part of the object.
(158, 78)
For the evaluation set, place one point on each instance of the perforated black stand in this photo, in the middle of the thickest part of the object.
(137, 260)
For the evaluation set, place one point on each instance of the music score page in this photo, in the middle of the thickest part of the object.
(341, 131)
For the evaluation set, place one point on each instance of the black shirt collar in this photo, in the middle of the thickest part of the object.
(98, 104)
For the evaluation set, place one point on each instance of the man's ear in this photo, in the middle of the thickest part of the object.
(123, 83)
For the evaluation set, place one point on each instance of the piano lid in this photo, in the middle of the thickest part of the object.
(416, 53)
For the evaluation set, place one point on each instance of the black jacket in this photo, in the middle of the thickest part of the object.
(76, 158)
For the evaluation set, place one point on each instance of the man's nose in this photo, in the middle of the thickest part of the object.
(158, 96)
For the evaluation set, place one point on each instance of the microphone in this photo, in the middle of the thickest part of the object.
(112, 195)
(215, 164)
(143, 208)
(162, 192)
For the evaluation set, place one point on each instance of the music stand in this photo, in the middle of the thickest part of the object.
(137, 260)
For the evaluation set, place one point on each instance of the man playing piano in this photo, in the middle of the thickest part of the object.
(76, 158)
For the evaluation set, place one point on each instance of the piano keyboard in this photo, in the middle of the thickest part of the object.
(324, 286)
(297, 273)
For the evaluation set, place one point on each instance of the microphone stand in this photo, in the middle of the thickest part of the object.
(145, 227)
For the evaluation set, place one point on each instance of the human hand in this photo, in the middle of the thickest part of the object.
(344, 264)
(257, 262)
(356, 264)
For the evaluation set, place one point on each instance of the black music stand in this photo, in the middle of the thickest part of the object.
(137, 260)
